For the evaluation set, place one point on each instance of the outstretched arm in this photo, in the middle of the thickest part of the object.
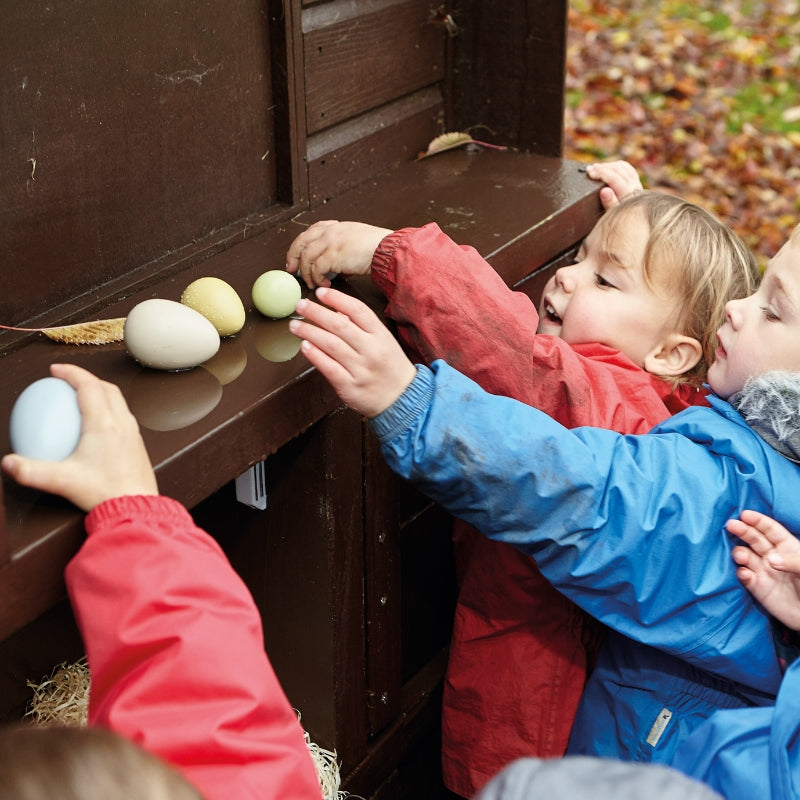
(354, 350)
(769, 567)
(330, 247)
(110, 459)
(154, 596)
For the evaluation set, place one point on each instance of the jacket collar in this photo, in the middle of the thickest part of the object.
(770, 404)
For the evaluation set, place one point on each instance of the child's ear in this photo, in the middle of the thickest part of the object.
(676, 355)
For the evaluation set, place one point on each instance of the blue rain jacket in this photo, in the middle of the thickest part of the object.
(631, 528)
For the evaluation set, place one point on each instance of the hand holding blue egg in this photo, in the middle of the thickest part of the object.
(45, 421)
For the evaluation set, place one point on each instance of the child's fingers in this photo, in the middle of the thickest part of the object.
(332, 370)
(746, 577)
(101, 403)
(785, 562)
(325, 338)
(344, 316)
(608, 198)
(770, 528)
(42, 475)
(359, 313)
(305, 251)
(621, 178)
(750, 535)
(301, 241)
(313, 264)
(742, 555)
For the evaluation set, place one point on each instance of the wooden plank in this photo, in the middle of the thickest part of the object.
(519, 210)
(508, 72)
(288, 104)
(382, 587)
(128, 132)
(4, 547)
(359, 56)
(303, 560)
(347, 154)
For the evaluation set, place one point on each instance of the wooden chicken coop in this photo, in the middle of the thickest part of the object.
(145, 145)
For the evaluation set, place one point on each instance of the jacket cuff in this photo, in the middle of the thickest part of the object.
(135, 506)
(403, 413)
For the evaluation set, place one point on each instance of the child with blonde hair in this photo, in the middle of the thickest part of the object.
(622, 339)
(631, 527)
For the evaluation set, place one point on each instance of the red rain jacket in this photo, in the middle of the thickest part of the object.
(520, 651)
(176, 653)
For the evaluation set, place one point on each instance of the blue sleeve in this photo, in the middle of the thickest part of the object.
(750, 752)
(631, 528)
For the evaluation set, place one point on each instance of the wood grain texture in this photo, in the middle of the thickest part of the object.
(360, 56)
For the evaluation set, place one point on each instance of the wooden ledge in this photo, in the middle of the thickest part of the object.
(206, 426)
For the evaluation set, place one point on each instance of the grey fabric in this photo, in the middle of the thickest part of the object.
(586, 778)
(770, 404)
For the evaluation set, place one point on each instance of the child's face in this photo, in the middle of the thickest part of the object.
(761, 332)
(604, 297)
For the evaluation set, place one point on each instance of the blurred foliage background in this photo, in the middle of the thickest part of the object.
(702, 98)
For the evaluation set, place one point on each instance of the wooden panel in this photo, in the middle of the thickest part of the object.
(288, 103)
(361, 55)
(508, 72)
(127, 132)
(32, 653)
(428, 588)
(343, 156)
(4, 547)
(382, 586)
(303, 560)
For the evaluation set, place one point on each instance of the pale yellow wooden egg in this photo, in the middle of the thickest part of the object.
(218, 302)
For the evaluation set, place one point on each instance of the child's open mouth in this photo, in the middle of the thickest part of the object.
(551, 314)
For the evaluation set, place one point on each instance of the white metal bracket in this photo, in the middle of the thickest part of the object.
(251, 487)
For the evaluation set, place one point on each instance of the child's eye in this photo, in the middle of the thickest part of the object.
(601, 281)
(769, 314)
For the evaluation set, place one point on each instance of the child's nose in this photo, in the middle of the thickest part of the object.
(566, 278)
(733, 312)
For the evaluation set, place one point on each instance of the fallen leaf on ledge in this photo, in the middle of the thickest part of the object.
(101, 331)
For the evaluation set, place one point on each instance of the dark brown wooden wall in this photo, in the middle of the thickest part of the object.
(126, 133)
(508, 72)
(137, 140)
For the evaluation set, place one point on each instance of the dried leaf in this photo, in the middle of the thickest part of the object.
(101, 331)
(449, 141)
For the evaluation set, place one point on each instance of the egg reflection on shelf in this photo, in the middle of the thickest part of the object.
(229, 362)
(275, 342)
(169, 401)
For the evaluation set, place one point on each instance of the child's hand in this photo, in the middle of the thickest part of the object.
(329, 248)
(354, 350)
(110, 459)
(621, 179)
(770, 567)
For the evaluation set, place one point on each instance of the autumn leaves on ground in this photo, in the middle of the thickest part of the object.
(703, 98)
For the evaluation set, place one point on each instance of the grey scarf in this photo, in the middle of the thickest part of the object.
(770, 404)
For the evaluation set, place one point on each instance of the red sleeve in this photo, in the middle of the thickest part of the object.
(176, 654)
(449, 303)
